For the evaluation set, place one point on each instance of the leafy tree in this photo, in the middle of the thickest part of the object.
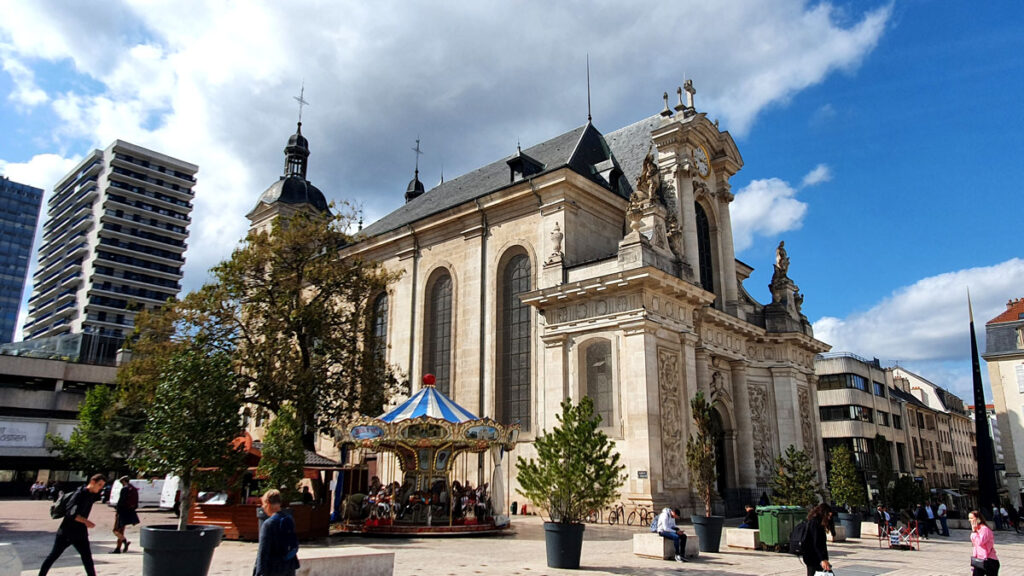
(883, 465)
(103, 438)
(576, 469)
(700, 451)
(843, 480)
(193, 419)
(291, 313)
(905, 494)
(795, 482)
(283, 456)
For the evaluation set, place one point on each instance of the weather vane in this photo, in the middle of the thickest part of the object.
(302, 102)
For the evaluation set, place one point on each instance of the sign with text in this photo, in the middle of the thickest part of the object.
(16, 434)
(641, 474)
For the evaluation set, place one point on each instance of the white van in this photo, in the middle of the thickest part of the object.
(171, 484)
(149, 492)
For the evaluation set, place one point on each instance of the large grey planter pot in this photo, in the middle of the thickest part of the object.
(170, 552)
(851, 522)
(564, 543)
(709, 531)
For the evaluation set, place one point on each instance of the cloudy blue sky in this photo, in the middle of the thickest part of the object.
(882, 140)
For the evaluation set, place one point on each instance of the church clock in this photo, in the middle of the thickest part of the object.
(701, 161)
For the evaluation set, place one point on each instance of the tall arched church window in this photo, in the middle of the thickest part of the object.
(379, 327)
(437, 359)
(707, 273)
(514, 387)
(597, 359)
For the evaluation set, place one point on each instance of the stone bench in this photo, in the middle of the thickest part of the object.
(653, 545)
(743, 538)
(346, 561)
(839, 536)
(868, 530)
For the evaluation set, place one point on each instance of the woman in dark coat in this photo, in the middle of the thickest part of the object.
(126, 516)
(815, 548)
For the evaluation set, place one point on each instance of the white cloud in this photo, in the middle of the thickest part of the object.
(765, 208)
(215, 88)
(925, 325)
(821, 173)
(25, 90)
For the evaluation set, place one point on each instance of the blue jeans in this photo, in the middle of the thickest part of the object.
(945, 526)
(678, 539)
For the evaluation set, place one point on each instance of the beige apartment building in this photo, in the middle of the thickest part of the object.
(1004, 354)
(930, 430)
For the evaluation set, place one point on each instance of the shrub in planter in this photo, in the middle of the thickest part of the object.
(700, 457)
(577, 470)
(847, 489)
(191, 424)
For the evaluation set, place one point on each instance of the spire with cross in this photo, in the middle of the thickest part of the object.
(302, 102)
(418, 154)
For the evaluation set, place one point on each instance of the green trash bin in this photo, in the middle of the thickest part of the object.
(776, 524)
(789, 517)
(768, 525)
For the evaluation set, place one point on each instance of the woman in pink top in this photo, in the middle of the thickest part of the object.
(984, 547)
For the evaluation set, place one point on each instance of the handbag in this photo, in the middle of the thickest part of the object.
(978, 563)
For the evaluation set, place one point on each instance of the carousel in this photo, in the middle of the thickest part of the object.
(425, 438)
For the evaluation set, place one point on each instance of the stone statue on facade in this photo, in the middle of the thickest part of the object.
(781, 259)
(650, 178)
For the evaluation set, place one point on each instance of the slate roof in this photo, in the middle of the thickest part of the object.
(584, 150)
(312, 459)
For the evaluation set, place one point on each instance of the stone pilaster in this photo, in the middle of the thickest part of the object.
(726, 249)
(746, 470)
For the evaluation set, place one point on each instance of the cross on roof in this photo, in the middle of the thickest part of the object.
(300, 99)
(418, 153)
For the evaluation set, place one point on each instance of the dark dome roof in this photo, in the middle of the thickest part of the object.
(298, 139)
(295, 190)
(415, 186)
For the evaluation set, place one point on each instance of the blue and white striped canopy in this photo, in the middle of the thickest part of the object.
(429, 402)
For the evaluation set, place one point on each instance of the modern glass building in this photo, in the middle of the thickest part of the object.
(113, 243)
(19, 214)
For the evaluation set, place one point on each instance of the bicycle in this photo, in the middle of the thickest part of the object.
(642, 513)
(594, 516)
(616, 514)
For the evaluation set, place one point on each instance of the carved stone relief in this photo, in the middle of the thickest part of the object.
(805, 417)
(673, 441)
(764, 455)
(719, 389)
(611, 305)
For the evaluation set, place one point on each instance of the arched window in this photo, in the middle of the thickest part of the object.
(599, 385)
(707, 273)
(437, 359)
(379, 327)
(513, 390)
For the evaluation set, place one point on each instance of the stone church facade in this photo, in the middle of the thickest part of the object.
(602, 265)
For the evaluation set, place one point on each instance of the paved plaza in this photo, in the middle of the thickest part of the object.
(606, 550)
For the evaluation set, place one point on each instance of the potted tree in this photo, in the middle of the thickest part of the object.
(193, 418)
(700, 457)
(847, 489)
(576, 471)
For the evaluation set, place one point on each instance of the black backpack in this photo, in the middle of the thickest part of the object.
(797, 538)
(59, 509)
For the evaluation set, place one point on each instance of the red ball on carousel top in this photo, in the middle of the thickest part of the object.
(429, 380)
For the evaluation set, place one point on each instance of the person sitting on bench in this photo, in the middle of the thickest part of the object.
(667, 529)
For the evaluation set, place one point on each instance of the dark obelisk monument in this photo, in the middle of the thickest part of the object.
(987, 497)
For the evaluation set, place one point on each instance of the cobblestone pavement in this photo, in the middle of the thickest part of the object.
(606, 550)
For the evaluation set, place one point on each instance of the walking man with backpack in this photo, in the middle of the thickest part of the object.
(75, 525)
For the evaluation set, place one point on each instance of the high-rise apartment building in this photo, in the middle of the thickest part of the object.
(113, 242)
(19, 213)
